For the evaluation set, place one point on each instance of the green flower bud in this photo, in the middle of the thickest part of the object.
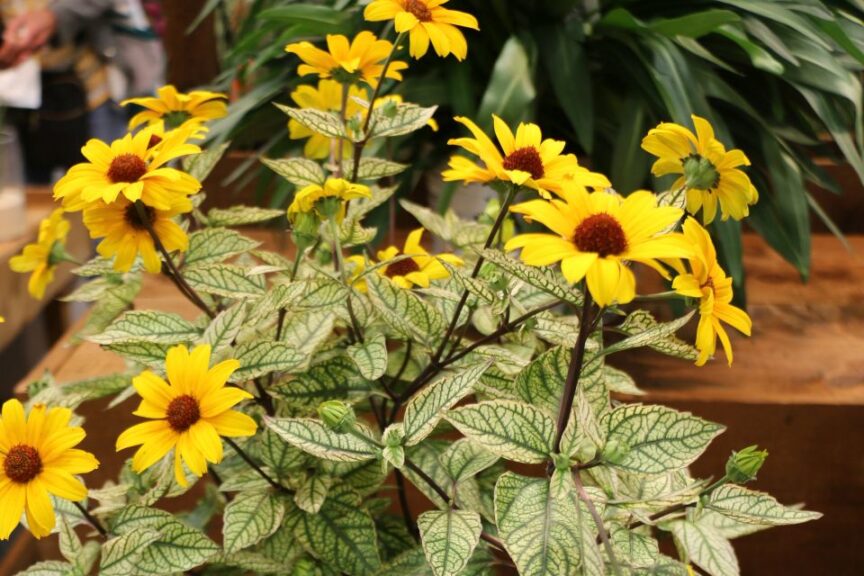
(743, 466)
(700, 173)
(615, 452)
(305, 229)
(329, 207)
(337, 415)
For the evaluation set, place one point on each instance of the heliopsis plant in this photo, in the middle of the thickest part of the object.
(311, 386)
(171, 109)
(41, 258)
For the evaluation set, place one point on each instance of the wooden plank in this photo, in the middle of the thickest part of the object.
(17, 306)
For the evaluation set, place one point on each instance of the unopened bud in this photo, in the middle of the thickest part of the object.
(743, 466)
(305, 229)
(337, 415)
(615, 452)
(700, 173)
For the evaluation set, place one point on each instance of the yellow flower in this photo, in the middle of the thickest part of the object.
(327, 97)
(708, 282)
(362, 59)
(420, 268)
(38, 458)
(126, 236)
(710, 174)
(178, 110)
(314, 197)
(425, 21)
(527, 160)
(40, 258)
(129, 167)
(597, 234)
(188, 413)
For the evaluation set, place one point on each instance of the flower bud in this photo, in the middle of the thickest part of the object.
(337, 415)
(305, 229)
(700, 173)
(615, 452)
(743, 466)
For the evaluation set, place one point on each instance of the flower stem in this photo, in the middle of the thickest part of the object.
(361, 144)
(256, 467)
(91, 519)
(598, 521)
(577, 358)
(356, 334)
(174, 273)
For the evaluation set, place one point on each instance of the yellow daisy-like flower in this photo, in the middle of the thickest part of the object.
(597, 234)
(348, 63)
(40, 258)
(709, 283)
(420, 268)
(125, 235)
(38, 458)
(425, 21)
(178, 110)
(133, 167)
(327, 200)
(188, 413)
(525, 159)
(710, 174)
(327, 96)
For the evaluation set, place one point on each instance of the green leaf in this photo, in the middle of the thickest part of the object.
(695, 24)
(319, 121)
(332, 379)
(370, 356)
(404, 311)
(310, 496)
(705, 547)
(299, 171)
(464, 459)
(225, 280)
(630, 163)
(426, 408)
(241, 215)
(342, 534)
(70, 544)
(393, 439)
(51, 568)
(656, 439)
(98, 387)
(510, 92)
(92, 290)
(314, 437)
(513, 430)
(640, 550)
(281, 457)
(567, 69)
(323, 19)
(753, 507)
(542, 381)
(258, 358)
(215, 245)
(460, 233)
(223, 329)
(620, 382)
(178, 548)
(114, 302)
(201, 165)
(308, 330)
(375, 168)
(543, 279)
(255, 563)
(539, 528)
(143, 353)
(405, 119)
(249, 518)
(645, 331)
(147, 326)
(121, 555)
(449, 538)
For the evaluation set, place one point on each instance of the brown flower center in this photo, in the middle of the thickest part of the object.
(526, 159)
(401, 268)
(127, 168)
(183, 412)
(419, 9)
(22, 463)
(600, 233)
(133, 218)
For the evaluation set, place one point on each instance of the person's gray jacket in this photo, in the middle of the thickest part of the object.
(74, 16)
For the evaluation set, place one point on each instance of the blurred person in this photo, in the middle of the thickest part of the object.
(94, 54)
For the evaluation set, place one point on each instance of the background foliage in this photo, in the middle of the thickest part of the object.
(778, 78)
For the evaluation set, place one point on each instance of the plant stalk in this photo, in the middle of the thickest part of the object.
(176, 277)
(246, 458)
(91, 519)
